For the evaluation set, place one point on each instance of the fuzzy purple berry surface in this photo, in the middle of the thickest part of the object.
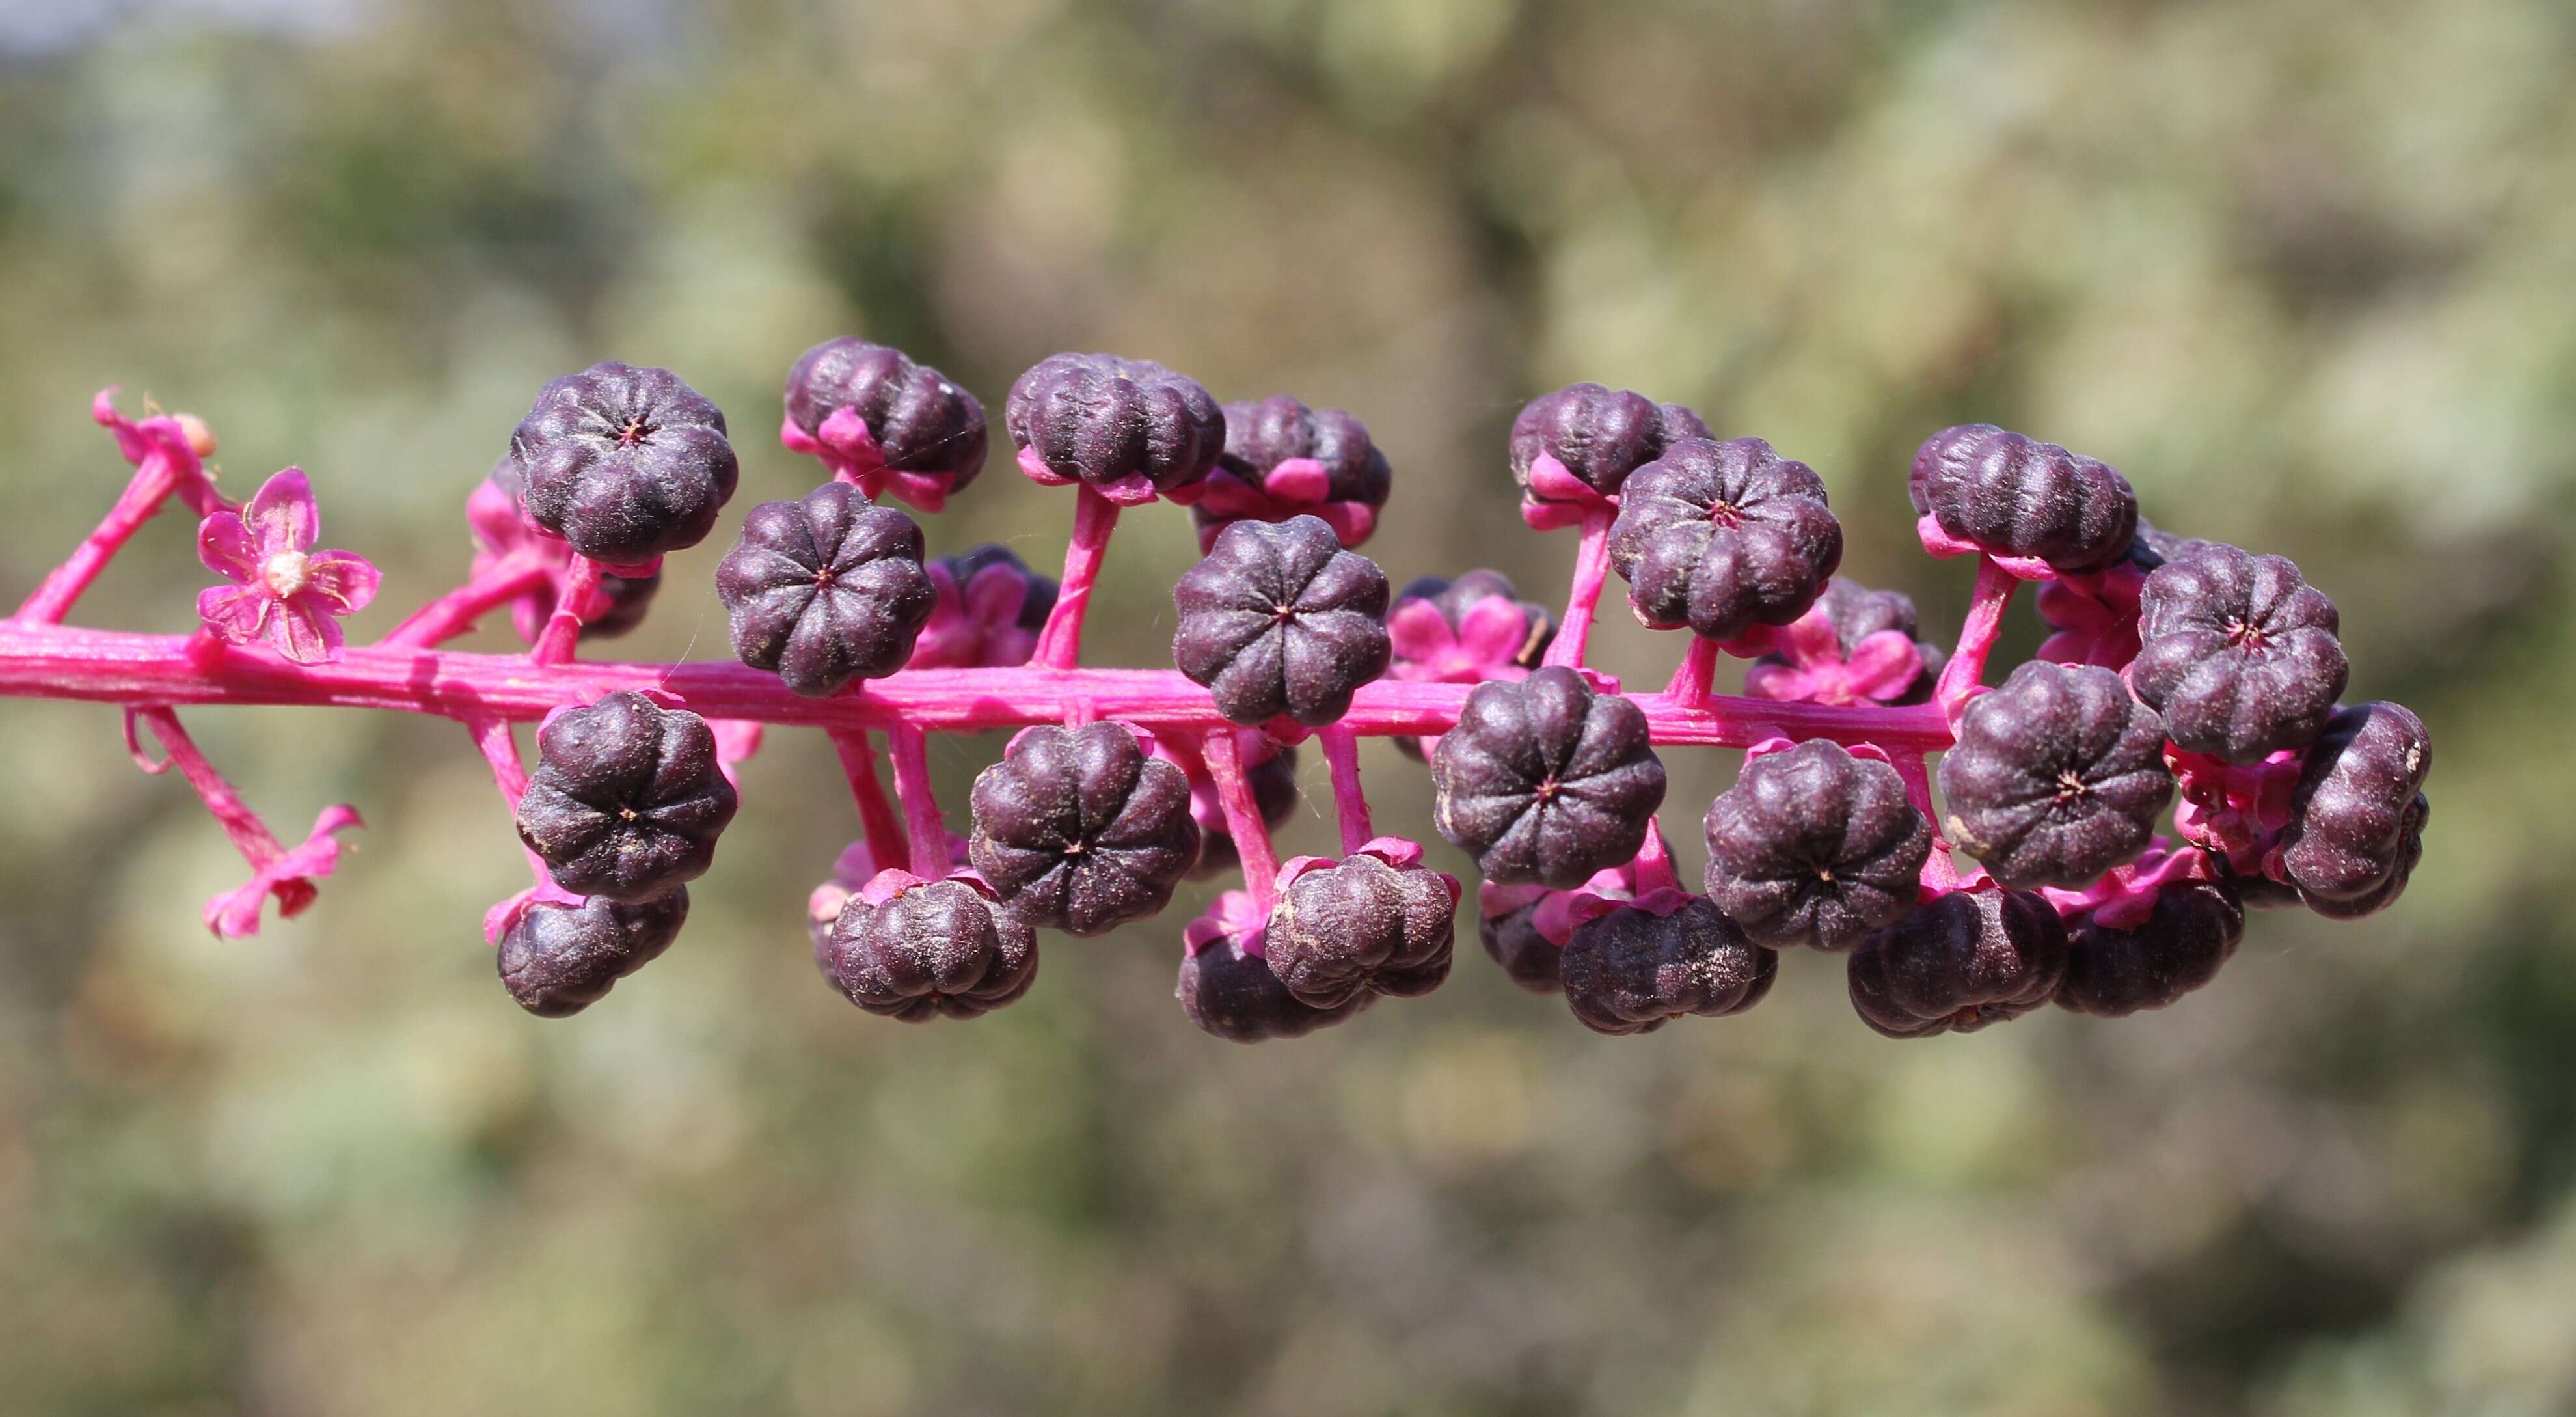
(1529, 958)
(920, 420)
(1545, 781)
(1814, 846)
(1079, 830)
(1597, 433)
(2238, 653)
(1722, 537)
(2113, 972)
(1234, 995)
(826, 590)
(2016, 496)
(1279, 619)
(2357, 814)
(2057, 776)
(624, 463)
(1633, 971)
(559, 959)
(1959, 963)
(936, 949)
(1363, 926)
(1107, 421)
(627, 800)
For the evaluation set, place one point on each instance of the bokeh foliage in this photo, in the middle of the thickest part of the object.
(2300, 267)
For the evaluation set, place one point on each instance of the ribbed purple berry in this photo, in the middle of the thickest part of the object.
(1363, 926)
(1273, 780)
(1632, 971)
(937, 949)
(1857, 612)
(2014, 496)
(2057, 776)
(2357, 815)
(1234, 996)
(2238, 652)
(1813, 846)
(1545, 781)
(627, 800)
(1079, 830)
(1330, 469)
(1959, 962)
(1599, 434)
(1106, 421)
(1723, 537)
(826, 590)
(1530, 958)
(557, 959)
(1279, 619)
(624, 463)
(628, 597)
(921, 420)
(2113, 973)
(2153, 546)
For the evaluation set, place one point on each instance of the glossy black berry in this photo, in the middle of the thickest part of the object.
(627, 800)
(2113, 973)
(1234, 996)
(938, 949)
(920, 419)
(2057, 776)
(1813, 846)
(2014, 496)
(2357, 815)
(624, 463)
(1631, 971)
(1273, 780)
(1102, 419)
(560, 959)
(826, 590)
(1079, 830)
(1279, 619)
(1530, 959)
(1722, 537)
(1362, 926)
(1600, 434)
(2238, 652)
(1545, 781)
(1958, 963)
(1857, 612)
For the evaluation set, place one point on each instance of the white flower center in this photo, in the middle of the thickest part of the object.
(285, 572)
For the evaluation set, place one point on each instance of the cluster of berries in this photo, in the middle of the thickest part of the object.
(2176, 669)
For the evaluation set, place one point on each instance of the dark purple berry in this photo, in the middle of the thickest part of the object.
(1959, 962)
(826, 590)
(2357, 815)
(2153, 546)
(1857, 612)
(1279, 619)
(560, 959)
(1079, 830)
(627, 800)
(2178, 948)
(1722, 537)
(2238, 652)
(1545, 781)
(1529, 957)
(628, 597)
(1599, 434)
(1103, 420)
(1631, 971)
(1260, 436)
(1363, 927)
(2013, 496)
(2057, 776)
(937, 949)
(920, 419)
(1273, 779)
(1234, 996)
(1813, 846)
(624, 463)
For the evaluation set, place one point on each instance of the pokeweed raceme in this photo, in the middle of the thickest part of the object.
(2177, 754)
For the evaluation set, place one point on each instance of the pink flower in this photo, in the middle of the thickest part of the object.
(283, 590)
(288, 875)
(1881, 667)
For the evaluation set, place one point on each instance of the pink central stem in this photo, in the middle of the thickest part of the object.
(1350, 802)
(877, 821)
(910, 751)
(454, 613)
(1967, 666)
(563, 629)
(152, 484)
(1583, 598)
(1060, 642)
(1224, 754)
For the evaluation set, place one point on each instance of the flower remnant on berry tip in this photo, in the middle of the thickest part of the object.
(2177, 753)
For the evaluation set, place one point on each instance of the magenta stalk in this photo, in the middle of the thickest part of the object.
(1698, 667)
(1967, 666)
(153, 482)
(1940, 873)
(454, 613)
(1060, 640)
(910, 751)
(250, 836)
(1655, 862)
(877, 821)
(1583, 598)
(574, 607)
(1350, 802)
(1223, 752)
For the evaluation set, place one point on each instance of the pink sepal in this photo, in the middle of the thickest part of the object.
(288, 876)
(845, 446)
(1399, 852)
(1557, 498)
(1133, 490)
(2125, 896)
(1937, 542)
(1881, 667)
(893, 881)
(976, 625)
(1233, 915)
(505, 913)
(165, 435)
(1296, 487)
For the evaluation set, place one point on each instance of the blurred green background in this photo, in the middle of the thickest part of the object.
(2302, 268)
